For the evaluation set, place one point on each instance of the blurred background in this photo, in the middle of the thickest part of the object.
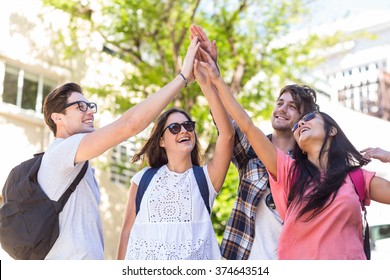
(121, 51)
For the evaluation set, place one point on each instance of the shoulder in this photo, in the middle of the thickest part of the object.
(137, 177)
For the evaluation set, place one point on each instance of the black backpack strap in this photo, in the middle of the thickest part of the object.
(143, 184)
(202, 184)
(65, 196)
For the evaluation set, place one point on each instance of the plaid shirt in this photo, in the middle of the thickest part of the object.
(240, 230)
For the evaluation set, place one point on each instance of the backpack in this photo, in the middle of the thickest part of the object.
(149, 173)
(29, 223)
(358, 182)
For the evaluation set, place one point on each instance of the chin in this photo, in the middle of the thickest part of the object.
(89, 130)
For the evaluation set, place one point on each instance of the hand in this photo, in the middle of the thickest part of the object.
(205, 43)
(201, 73)
(377, 153)
(188, 63)
(208, 63)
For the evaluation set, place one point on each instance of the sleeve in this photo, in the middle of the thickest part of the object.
(241, 147)
(65, 151)
(281, 185)
(58, 169)
(137, 177)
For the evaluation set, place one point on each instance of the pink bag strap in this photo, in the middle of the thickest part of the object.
(358, 181)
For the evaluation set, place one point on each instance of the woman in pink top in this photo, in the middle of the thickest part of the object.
(313, 192)
(315, 196)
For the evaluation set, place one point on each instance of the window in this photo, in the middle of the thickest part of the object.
(358, 87)
(122, 170)
(25, 89)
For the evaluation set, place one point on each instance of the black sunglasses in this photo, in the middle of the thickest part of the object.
(83, 105)
(269, 201)
(305, 118)
(175, 128)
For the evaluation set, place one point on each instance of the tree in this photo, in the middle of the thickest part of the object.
(255, 57)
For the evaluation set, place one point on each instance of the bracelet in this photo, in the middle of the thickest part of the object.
(184, 78)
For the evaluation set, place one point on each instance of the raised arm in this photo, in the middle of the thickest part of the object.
(259, 141)
(138, 117)
(219, 164)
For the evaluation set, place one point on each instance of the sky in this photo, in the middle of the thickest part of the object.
(328, 10)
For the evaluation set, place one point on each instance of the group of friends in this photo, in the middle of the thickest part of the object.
(295, 199)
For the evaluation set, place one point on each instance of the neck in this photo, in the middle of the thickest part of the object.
(179, 164)
(283, 140)
(314, 157)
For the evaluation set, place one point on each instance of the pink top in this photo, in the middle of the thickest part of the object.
(334, 234)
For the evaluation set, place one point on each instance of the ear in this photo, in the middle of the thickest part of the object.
(333, 131)
(162, 142)
(55, 117)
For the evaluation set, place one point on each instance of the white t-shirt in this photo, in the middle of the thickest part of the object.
(268, 226)
(173, 222)
(81, 235)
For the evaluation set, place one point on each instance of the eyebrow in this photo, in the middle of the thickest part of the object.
(288, 102)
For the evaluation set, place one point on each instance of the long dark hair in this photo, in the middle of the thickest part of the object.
(342, 158)
(156, 156)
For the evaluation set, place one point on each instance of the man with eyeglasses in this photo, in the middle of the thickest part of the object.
(254, 226)
(70, 116)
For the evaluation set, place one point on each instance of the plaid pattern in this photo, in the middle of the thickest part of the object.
(240, 230)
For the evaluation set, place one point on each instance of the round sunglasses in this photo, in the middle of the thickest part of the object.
(305, 118)
(175, 128)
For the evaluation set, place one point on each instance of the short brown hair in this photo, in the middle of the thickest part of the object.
(55, 102)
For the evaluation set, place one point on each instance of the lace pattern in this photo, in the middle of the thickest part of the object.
(141, 249)
(170, 199)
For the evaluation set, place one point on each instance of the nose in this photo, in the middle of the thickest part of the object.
(283, 108)
(182, 129)
(90, 110)
(301, 123)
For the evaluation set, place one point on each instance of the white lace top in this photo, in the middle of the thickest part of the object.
(173, 222)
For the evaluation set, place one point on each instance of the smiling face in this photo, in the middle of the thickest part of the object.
(74, 120)
(285, 113)
(310, 131)
(182, 142)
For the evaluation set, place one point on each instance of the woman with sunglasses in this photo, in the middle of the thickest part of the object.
(173, 221)
(313, 192)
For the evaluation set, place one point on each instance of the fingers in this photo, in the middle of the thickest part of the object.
(188, 63)
(214, 48)
(366, 150)
(198, 31)
(206, 56)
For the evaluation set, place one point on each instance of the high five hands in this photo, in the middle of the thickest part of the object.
(205, 66)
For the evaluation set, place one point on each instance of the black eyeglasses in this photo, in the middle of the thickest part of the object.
(175, 128)
(83, 106)
(305, 118)
(269, 200)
